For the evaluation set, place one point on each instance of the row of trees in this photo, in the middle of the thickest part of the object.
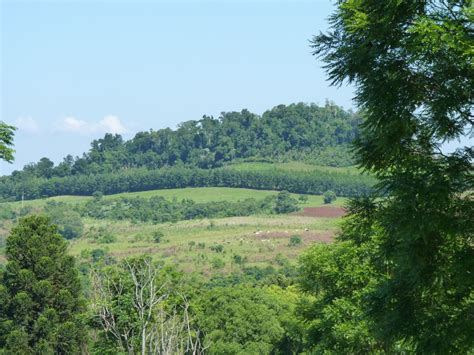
(159, 210)
(294, 130)
(317, 182)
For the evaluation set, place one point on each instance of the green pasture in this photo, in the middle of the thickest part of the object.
(197, 194)
(260, 240)
(289, 167)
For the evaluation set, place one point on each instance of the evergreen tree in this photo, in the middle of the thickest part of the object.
(40, 292)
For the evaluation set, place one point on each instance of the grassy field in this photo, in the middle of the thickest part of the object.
(290, 166)
(197, 194)
(258, 240)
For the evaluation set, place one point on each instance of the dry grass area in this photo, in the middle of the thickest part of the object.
(192, 244)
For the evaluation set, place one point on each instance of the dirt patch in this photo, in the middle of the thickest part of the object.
(325, 212)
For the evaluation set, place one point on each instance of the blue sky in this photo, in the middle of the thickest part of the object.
(73, 70)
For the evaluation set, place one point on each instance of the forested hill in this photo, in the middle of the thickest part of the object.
(297, 131)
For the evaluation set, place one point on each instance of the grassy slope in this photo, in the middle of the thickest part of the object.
(258, 238)
(289, 167)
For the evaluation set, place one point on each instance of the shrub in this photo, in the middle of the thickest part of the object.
(285, 203)
(217, 263)
(295, 240)
(329, 196)
(158, 236)
(219, 248)
(303, 198)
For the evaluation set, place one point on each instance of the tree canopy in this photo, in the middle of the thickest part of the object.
(6, 142)
(40, 292)
(295, 131)
(412, 65)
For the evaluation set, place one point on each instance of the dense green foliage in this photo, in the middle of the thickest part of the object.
(69, 222)
(260, 322)
(159, 210)
(308, 182)
(6, 142)
(40, 292)
(329, 196)
(295, 131)
(412, 289)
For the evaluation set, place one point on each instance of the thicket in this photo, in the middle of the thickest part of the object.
(159, 210)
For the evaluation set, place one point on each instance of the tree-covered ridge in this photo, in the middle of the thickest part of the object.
(295, 131)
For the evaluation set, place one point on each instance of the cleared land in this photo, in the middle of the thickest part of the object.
(259, 240)
(196, 245)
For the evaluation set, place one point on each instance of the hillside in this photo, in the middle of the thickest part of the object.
(296, 132)
(207, 245)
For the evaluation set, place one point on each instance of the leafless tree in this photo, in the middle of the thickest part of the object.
(146, 327)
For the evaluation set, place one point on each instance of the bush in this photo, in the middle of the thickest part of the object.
(295, 240)
(285, 203)
(69, 222)
(158, 236)
(219, 248)
(217, 263)
(329, 196)
(303, 198)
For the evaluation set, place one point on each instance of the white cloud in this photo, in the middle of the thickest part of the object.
(72, 124)
(27, 124)
(109, 124)
(112, 124)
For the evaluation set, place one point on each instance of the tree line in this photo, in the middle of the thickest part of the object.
(157, 209)
(131, 180)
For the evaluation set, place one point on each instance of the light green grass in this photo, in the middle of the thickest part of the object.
(259, 239)
(197, 194)
(290, 166)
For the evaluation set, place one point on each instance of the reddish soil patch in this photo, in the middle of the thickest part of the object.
(327, 212)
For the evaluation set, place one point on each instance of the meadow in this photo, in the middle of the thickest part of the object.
(291, 166)
(209, 246)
